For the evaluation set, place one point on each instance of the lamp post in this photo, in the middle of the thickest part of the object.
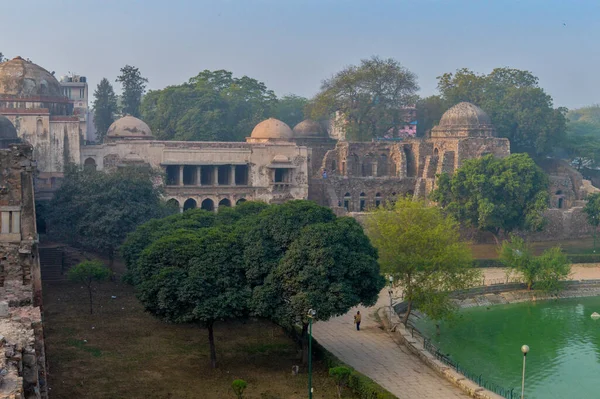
(525, 350)
(391, 279)
(311, 314)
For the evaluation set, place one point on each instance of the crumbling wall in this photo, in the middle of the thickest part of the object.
(23, 366)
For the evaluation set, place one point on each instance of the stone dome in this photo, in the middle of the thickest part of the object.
(129, 127)
(7, 129)
(465, 114)
(272, 129)
(464, 120)
(309, 129)
(22, 78)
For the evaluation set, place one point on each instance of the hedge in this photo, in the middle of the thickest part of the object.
(360, 384)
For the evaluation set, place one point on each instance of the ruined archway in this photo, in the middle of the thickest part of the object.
(208, 205)
(240, 201)
(190, 204)
(89, 164)
(225, 202)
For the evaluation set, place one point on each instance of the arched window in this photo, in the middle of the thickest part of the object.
(189, 204)
(208, 205)
(39, 127)
(382, 165)
(225, 202)
(436, 153)
(363, 202)
(377, 200)
(90, 163)
(240, 201)
(333, 165)
(559, 192)
(347, 200)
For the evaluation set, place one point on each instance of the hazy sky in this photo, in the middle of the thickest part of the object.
(292, 45)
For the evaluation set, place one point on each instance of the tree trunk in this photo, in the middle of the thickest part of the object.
(91, 302)
(111, 263)
(437, 328)
(211, 343)
(304, 341)
(408, 310)
(529, 284)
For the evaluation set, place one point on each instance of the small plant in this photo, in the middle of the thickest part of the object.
(341, 375)
(88, 273)
(239, 386)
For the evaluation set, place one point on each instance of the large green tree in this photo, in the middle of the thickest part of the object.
(96, 210)
(134, 87)
(421, 248)
(212, 106)
(429, 112)
(195, 277)
(520, 110)
(582, 142)
(105, 108)
(498, 195)
(370, 98)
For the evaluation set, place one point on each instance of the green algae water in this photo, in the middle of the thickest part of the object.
(564, 341)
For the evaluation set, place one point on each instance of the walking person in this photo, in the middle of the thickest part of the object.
(357, 320)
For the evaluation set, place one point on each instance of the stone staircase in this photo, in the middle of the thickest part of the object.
(51, 263)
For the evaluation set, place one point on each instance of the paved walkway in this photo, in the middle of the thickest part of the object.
(372, 352)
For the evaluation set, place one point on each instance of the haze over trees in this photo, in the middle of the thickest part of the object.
(105, 108)
(369, 98)
(95, 210)
(3, 58)
(520, 110)
(216, 106)
(271, 261)
(134, 87)
(421, 248)
(497, 195)
(582, 142)
(592, 211)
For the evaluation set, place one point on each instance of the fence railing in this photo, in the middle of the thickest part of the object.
(508, 393)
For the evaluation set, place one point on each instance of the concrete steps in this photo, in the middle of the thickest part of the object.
(51, 264)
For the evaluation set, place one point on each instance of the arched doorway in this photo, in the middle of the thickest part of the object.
(347, 199)
(173, 204)
(208, 205)
(377, 200)
(189, 204)
(240, 201)
(363, 202)
(90, 164)
(225, 202)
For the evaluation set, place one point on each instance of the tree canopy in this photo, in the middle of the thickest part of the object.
(592, 211)
(96, 210)
(421, 248)
(520, 110)
(582, 143)
(212, 106)
(89, 273)
(370, 98)
(105, 108)
(134, 87)
(290, 109)
(281, 260)
(498, 195)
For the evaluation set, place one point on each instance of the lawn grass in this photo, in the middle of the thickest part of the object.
(579, 246)
(123, 352)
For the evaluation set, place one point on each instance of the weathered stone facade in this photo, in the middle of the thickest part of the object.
(23, 364)
(33, 100)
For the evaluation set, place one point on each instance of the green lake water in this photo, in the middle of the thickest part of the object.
(564, 359)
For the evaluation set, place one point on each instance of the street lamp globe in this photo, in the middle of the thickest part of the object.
(525, 349)
(391, 278)
(312, 312)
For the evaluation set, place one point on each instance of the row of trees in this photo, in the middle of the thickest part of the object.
(271, 261)
(106, 104)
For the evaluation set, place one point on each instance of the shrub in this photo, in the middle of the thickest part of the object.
(365, 388)
(239, 386)
(341, 375)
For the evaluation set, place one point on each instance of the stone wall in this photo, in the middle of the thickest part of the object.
(21, 333)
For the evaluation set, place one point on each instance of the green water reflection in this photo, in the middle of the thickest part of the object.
(564, 360)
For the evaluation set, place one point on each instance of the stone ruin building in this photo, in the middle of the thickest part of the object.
(22, 364)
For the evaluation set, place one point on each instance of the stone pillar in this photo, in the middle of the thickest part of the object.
(374, 169)
(199, 175)
(232, 176)
(181, 175)
(216, 175)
